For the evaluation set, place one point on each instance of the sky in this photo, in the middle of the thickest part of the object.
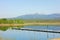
(14, 8)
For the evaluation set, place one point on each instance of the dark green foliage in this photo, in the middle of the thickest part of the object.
(4, 28)
(11, 21)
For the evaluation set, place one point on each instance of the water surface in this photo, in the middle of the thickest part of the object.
(12, 34)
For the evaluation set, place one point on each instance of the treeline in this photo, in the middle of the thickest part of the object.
(11, 21)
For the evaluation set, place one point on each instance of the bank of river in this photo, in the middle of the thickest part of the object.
(55, 39)
(30, 24)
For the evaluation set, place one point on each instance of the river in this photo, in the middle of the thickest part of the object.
(13, 34)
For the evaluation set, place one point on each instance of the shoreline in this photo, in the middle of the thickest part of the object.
(26, 24)
(55, 39)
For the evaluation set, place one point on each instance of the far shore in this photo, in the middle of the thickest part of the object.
(30, 24)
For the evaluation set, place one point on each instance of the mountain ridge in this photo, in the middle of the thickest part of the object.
(39, 16)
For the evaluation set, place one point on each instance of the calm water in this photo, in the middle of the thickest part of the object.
(12, 34)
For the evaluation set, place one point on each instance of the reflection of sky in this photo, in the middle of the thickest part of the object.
(27, 35)
(56, 28)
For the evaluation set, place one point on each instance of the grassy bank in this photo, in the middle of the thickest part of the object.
(19, 22)
(45, 24)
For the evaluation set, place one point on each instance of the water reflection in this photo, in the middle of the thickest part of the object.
(28, 35)
(12, 34)
(24, 35)
(4, 28)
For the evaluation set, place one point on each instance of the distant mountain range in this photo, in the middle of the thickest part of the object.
(39, 16)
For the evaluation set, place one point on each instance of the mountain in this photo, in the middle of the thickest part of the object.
(39, 16)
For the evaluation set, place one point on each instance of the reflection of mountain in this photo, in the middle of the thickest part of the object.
(39, 16)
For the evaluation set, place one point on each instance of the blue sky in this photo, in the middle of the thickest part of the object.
(13, 8)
